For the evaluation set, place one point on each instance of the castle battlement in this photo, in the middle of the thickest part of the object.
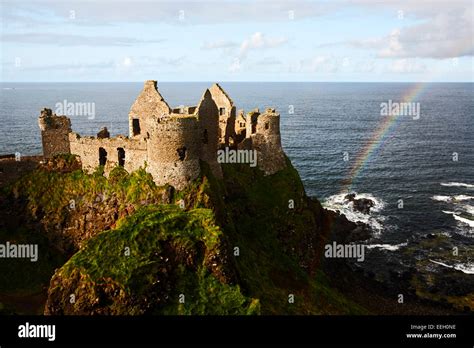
(171, 142)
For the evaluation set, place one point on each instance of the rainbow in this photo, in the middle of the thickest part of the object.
(379, 137)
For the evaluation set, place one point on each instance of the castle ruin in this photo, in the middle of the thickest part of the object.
(170, 142)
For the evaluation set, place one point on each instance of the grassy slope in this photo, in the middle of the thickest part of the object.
(168, 247)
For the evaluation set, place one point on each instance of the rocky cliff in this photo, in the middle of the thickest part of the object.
(242, 244)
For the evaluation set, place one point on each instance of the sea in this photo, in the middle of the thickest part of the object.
(418, 169)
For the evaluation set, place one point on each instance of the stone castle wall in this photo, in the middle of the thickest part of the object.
(251, 122)
(134, 152)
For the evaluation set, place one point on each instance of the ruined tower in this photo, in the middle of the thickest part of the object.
(173, 150)
(54, 133)
(263, 135)
(149, 104)
(226, 110)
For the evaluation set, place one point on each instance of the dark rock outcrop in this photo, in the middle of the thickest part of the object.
(362, 205)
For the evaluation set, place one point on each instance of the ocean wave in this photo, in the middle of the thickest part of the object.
(457, 184)
(469, 209)
(389, 247)
(442, 198)
(458, 217)
(453, 199)
(467, 268)
(465, 220)
(462, 198)
(346, 207)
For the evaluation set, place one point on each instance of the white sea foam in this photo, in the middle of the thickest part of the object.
(469, 209)
(442, 198)
(441, 263)
(389, 247)
(339, 203)
(465, 220)
(462, 198)
(467, 268)
(454, 199)
(457, 184)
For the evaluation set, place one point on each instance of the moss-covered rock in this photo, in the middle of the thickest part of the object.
(160, 260)
(433, 276)
(72, 206)
(280, 233)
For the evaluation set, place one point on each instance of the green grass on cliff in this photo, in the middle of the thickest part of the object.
(166, 245)
(269, 234)
(51, 192)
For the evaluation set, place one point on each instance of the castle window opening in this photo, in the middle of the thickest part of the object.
(136, 126)
(205, 137)
(254, 128)
(221, 111)
(182, 153)
(267, 125)
(102, 156)
(121, 156)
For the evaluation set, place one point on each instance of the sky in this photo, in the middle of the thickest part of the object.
(358, 40)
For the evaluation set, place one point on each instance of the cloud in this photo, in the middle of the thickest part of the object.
(219, 44)
(73, 40)
(256, 41)
(407, 66)
(269, 61)
(259, 41)
(443, 29)
(71, 66)
(321, 63)
(123, 63)
(447, 35)
(157, 61)
(365, 66)
(235, 66)
(105, 12)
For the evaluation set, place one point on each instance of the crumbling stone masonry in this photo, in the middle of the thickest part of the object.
(54, 133)
(170, 142)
